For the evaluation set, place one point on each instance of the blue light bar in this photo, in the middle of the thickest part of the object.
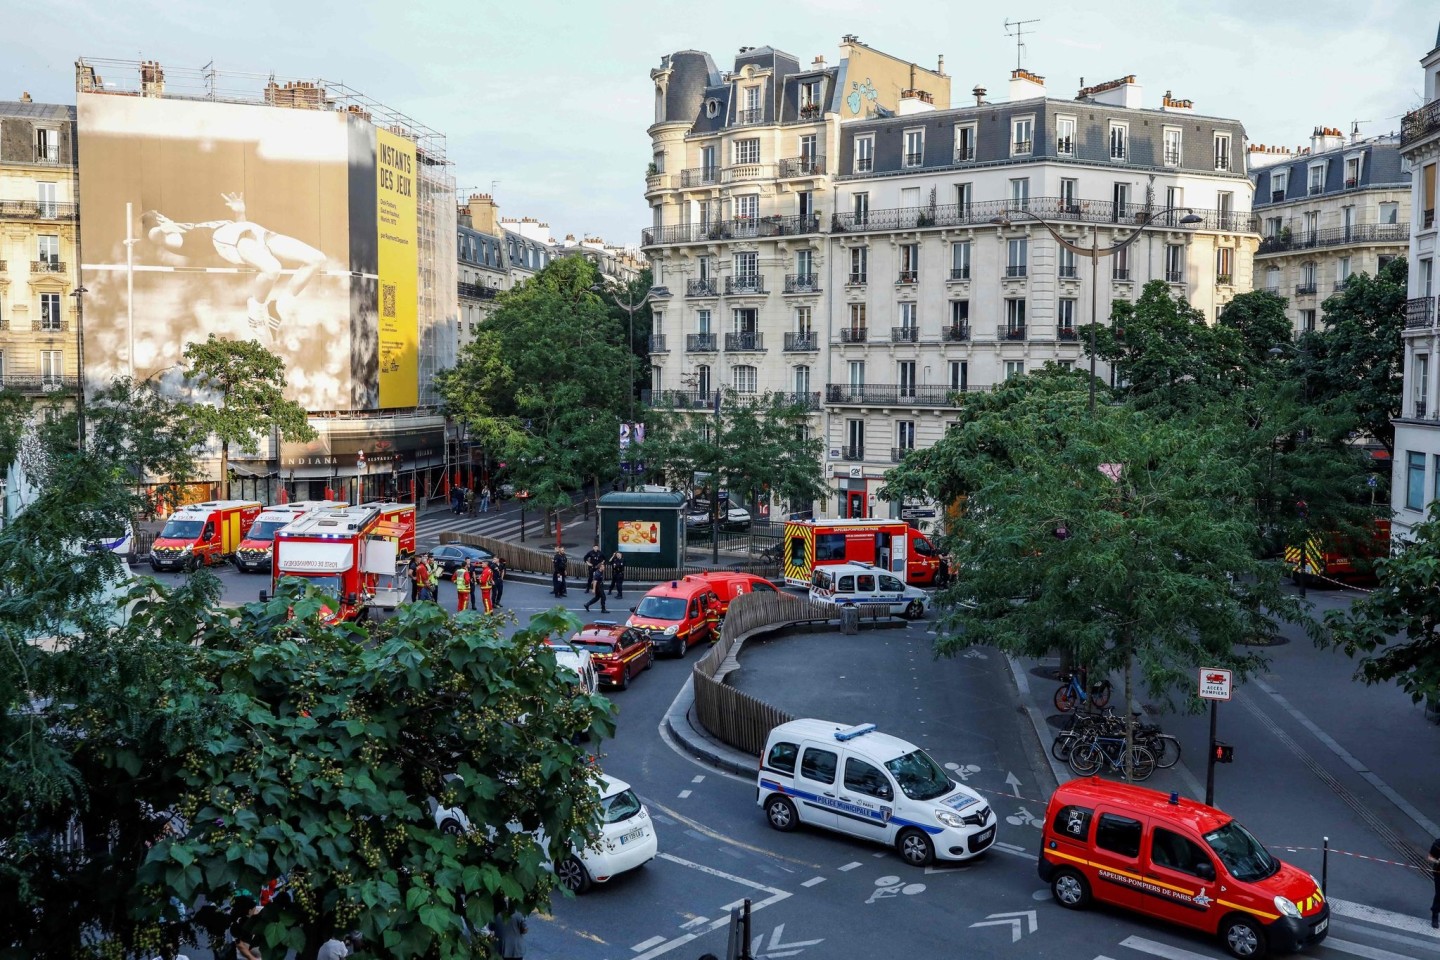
(856, 731)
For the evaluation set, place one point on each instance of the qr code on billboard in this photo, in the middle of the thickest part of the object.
(387, 300)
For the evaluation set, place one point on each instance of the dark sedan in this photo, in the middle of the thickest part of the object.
(452, 555)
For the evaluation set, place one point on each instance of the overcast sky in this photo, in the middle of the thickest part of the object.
(552, 99)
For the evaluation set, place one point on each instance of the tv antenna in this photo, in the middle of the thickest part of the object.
(1355, 129)
(1018, 31)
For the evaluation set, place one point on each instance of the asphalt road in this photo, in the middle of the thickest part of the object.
(821, 895)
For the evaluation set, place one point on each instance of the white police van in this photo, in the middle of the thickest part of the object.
(868, 784)
(868, 584)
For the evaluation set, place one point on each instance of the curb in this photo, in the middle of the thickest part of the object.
(677, 724)
(1060, 771)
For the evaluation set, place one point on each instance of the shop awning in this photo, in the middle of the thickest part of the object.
(316, 557)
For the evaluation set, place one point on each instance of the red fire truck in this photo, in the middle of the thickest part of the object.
(343, 555)
(397, 522)
(254, 551)
(891, 545)
(202, 534)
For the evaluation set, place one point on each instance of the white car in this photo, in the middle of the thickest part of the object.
(626, 839)
(577, 661)
(862, 583)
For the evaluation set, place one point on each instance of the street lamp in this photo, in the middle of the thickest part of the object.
(1095, 252)
(631, 307)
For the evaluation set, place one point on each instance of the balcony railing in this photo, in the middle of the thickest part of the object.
(1120, 273)
(1419, 313)
(658, 344)
(904, 334)
(1316, 189)
(1418, 123)
(1351, 183)
(853, 453)
(1174, 276)
(748, 283)
(1341, 284)
(1015, 271)
(59, 325)
(38, 384)
(801, 342)
(1419, 408)
(856, 278)
(1020, 148)
(864, 164)
(807, 401)
(1172, 157)
(476, 291)
(888, 394)
(700, 343)
(706, 287)
(676, 399)
(1049, 208)
(1067, 335)
(1338, 236)
(741, 172)
(741, 228)
(802, 167)
(747, 117)
(1010, 331)
(854, 334)
(744, 341)
(956, 333)
(914, 159)
(47, 266)
(1305, 289)
(1276, 196)
(1066, 272)
(802, 283)
(908, 276)
(900, 453)
(699, 176)
(37, 210)
(959, 273)
(965, 154)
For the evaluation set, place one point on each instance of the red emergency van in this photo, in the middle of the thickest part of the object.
(397, 522)
(1179, 861)
(890, 545)
(202, 534)
(254, 552)
(340, 553)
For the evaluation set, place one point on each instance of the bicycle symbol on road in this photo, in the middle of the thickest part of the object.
(891, 887)
(1024, 818)
(963, 771)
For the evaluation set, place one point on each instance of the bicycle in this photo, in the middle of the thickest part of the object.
(1081, 727)
(1072, 691)
(771, 554)
(1090, 755)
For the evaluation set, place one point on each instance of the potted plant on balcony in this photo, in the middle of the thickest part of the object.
(651, 169)
(1224, 279)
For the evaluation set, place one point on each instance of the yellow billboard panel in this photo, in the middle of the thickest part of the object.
(399, 268)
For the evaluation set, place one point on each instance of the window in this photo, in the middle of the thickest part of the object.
(1342, 272)
(702, 380)
(1317, 178)
(1022, 136)
(1119, 140)
(865, 154)
(1312, 225)
(1069, 195)
(747, 206)
(782, 757)
(1072, 822)
(1225, 265)
(808, 151)
(747, 151)
(1065, 136)
(712, 107)
(744, 320)
(861, 777)
(804, 263)
(860, 206)
(702, 322)
(909, 262)
(1279, 184)
(1175, 852)
(1120, 196)
(859, 264)
(45, 196)
(52, 367)
(855, 438)
(959, 375)
(1117, 834)
(50, 312)
(1352, 172)
(1014, 368)
(1171, 149)
(959, 313)
(802, 380)
(1020, 193)
(1272, 279)
(909, 198)
(904, 436)
(744, 379)
(809, 94)
(905, 377)
(1421, 381)
(818, 765)
(1273, 226)
(1120, 264)
(1389, 213)
(1065, 317)
(1307, 321)
(747, 265)
(708, 165)
(805, 205)
(1415, 481)
(909, 317)
(1222, 151)
(960, 260)
(1307, 275)
(804, 323)
(1427, 274)
(47, 145)
(857, 318)
(1017, 257)
(1015, 319)
(1174, 263)
(1065, 263)
(47, 248)
(964, 142)
(855, 370)
(914, 148)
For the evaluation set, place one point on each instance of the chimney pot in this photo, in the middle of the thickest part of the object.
(25, 97)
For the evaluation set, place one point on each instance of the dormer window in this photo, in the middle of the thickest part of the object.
(712, 108)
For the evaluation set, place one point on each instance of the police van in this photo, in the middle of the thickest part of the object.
(868, 584)
(868, 784)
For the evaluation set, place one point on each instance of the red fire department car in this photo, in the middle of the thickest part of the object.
(618, 652)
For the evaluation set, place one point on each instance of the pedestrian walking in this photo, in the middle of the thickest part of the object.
(462, 588)
(487, 587)
(596, 588)
(1434, 859)
(498, 568)
(509, 928)
(559, 566)
(470, 502)
(485, 499)
(617, 574)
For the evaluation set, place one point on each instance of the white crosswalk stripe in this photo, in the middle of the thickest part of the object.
(505, 526)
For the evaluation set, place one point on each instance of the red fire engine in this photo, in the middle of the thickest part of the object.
(397, 522)
(343, 555)
(891, 545)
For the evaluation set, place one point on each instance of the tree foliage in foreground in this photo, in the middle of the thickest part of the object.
(1121, 537)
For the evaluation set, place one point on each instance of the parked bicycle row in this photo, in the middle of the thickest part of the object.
(1093, 742)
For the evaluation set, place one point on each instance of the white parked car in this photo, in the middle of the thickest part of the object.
(863, 583)
(577, 661)
(626, 839)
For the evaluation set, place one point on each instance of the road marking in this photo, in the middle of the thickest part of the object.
(692, 923)
(753, 885)
(1360, 950)
(813, 881)
(849, 866)
(1013, 782)
(1013, 851)
(1383, 918)
(641, 947)
(684, 794)
(1017, 922)
(1014, 848)
(779, 948)
(699, 778)
(1347, 925)
(713, 835)
(664, 946)
(893, 887)
(1162, 949)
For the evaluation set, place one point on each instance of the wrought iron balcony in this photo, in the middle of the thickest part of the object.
(864, 164)
(747, 117)
(707, 287)
(38, 384)
(908, 276)
(37, 210)
(802, 283)
(1067, 335)
(1419, 313)
(57, 325)
(1172, 157)
(700, 343)
(1120, 273)
(658, 344)
(801, 342)
(811, 111)
(1419, 408)
(1020, 148)
(1174, 276)
(806, 401)
(676, 399)
(749, 283)
(1010, 331)
(1066, 272)
(900, 453)
(965, 154)
(914, 159)
(1015, 271)
(983, 213)
(1397, 233)
(801, 167)
(905, 334)
(959, 273)
(744, 341)
(1305, 289)
(47, 266)
(699, 176)
(888, 394)
(856, 278)
(853, 453)
(1341, 284)
(854, 334)
(476, 291)
(956, 333)
(1276, 196)
(1418, 123)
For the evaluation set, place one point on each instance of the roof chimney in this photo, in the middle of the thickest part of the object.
(1326, 138)
(819, 62)
(979, 94)
(25, 97)
(152, 79)
(1025, 85)
(1124, 92)
(1170, 105)
(940, 65)
(484, 213)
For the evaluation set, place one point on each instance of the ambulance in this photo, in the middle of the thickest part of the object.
(341, 554)
(203, 534)
(397, 522)
(254, 552)
(890, 545)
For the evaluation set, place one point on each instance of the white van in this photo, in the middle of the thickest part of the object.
(868, 784)
(866, 583)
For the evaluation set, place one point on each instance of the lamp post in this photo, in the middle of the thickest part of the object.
(631, 307)
(1095, 252)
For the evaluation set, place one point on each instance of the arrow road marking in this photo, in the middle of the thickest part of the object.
(1013, 782)
(1023, 918)
(777, 948)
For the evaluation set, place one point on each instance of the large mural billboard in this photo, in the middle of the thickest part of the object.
(247, 222)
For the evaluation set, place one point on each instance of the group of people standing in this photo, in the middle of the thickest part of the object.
(479, 584)
(597, 568)
(469, 501)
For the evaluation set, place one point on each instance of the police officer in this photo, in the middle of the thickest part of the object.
(1434, 859)
(617, 574)
(558, 567)
(497, 566)
(594, 557)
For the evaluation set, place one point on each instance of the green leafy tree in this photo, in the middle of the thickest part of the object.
(1395, 629)
(1120, 536)
(247, 383)
(146, 433)
(14, 412)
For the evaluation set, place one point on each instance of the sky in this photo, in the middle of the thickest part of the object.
(549, 101)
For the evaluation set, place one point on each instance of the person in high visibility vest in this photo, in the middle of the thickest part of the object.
(712, 616)
(487, 587)
(462, 588)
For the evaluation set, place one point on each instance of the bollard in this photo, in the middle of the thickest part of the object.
(850, 619)
(1324, 864)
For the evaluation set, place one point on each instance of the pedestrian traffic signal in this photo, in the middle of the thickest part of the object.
(1302, 509)
(1224, 752)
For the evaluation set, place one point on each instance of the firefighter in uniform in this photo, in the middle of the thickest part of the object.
(462, 588)
(487, 587)
(712, 616)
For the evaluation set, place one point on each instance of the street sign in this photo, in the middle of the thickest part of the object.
(1214, 683)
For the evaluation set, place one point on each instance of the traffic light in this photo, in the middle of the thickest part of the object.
(1224, 752)
(1302, 509)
